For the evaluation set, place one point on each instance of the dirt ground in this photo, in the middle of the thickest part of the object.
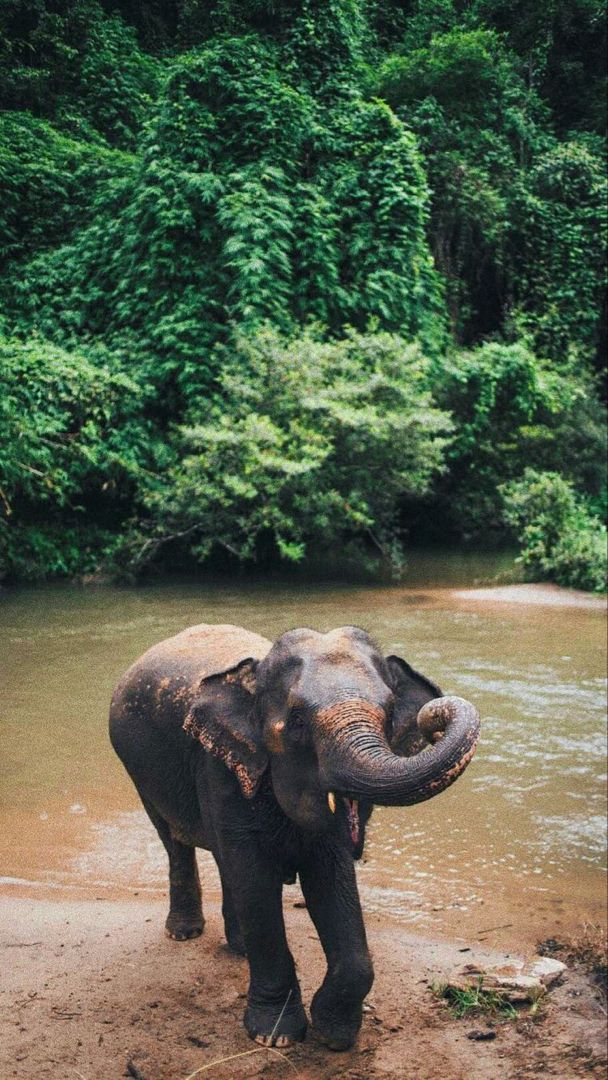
(92, 988)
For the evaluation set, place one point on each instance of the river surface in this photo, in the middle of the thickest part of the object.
(515, 848)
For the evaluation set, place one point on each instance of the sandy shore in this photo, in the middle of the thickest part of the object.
(536, 595)
(91, 985)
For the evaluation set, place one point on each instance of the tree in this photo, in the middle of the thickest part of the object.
(306, 445)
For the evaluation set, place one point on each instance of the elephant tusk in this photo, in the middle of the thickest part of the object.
(331, 801)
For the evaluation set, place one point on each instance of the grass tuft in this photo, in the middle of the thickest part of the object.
(475, 1001)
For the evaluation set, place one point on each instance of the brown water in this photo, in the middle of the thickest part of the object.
(519, 840)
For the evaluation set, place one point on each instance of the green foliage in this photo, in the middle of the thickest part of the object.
(511, 410)
(560, 219)
(559, 539)
(563, 47)
(72, 449)
(119, 82)
(463, 95)
(518, 219)
(47, 180)
(40, 47)
(187, 188)
(51, 549)
(206, 230)
(73, 61)
(306, 443)
(465, 71)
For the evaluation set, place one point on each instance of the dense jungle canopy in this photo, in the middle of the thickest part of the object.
(318, 275)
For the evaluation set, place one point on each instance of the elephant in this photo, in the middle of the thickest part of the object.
(271, 756)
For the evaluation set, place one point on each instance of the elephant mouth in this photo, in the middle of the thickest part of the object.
(352, 815)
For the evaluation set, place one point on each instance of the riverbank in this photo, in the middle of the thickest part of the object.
(543, 594)
(90, 986)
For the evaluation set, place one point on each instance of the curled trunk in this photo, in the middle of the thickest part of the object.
(357, 761)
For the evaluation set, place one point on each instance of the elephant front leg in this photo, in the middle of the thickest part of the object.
(330, 889)
(274, 1015)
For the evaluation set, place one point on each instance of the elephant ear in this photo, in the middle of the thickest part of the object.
(412, 690)
(222, 718)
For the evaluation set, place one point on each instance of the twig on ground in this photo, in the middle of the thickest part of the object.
(490, 929)
(244, 1053)
(248, 1053)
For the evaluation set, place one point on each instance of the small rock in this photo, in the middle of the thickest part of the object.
(515, 979)
(481, 1036)
(546, 969)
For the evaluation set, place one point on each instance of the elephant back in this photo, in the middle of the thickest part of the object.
(205, 650)
(169, 674)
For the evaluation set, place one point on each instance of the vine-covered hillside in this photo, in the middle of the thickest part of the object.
(317, 275)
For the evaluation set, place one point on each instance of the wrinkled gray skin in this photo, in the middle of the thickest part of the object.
(271, 757)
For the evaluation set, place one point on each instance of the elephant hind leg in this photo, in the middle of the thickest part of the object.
(185, 919)
(232, 926)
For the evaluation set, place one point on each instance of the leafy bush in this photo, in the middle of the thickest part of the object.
(559, 539)
(512, 410)
(72, 448)
(559, 228)
(48, 180)
(305, 444)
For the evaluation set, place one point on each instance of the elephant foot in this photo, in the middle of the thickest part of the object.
(335, 1041)
(279, 1041)
(180, 927)
(236, 945)
(262, 1026)
(337, 1031)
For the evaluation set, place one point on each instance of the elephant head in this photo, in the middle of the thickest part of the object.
(335, 723)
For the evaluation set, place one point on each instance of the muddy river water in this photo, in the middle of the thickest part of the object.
(516, 848)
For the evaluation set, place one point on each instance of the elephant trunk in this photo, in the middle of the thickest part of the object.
(356, 760)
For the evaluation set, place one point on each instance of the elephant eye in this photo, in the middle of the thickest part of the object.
(298, 724)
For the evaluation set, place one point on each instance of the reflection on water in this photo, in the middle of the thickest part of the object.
(524, 826)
